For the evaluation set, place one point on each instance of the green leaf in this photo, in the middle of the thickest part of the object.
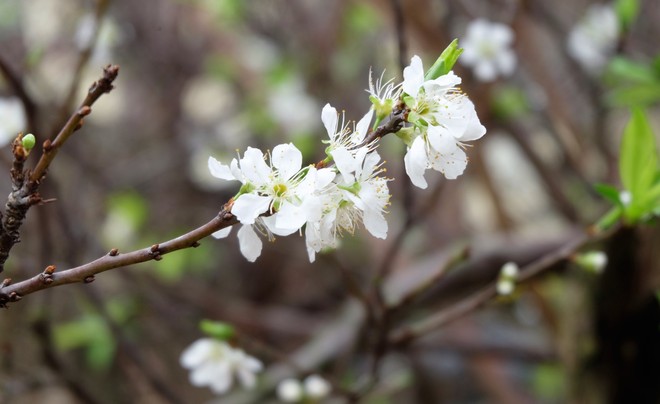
(627, 11)
(608, 192)
(621, 68)
(638, 164)
(218, 330)
(445, 62)
(609, 219)
(638, 95)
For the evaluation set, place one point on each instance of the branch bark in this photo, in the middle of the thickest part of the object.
(86, 273)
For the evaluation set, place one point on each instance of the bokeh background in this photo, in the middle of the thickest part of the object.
(210, 77)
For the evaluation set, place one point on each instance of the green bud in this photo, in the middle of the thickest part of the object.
(406, 134)
(28, 141)
(218, 330)
(592, 261)
(445, 62)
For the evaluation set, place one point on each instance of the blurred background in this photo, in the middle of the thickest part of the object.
(210, 77)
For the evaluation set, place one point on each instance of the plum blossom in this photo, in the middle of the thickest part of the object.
(215, 363)
(487, 49)
(282, 190)
(443, 120)
(593, 40)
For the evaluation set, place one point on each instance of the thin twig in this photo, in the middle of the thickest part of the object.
(85, 273)
(409, 334)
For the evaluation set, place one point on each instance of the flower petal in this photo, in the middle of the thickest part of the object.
(413, 76)
(416, 162)
(222, 233)
(287, 159)
(250, 243)
(249, 206)
(329, 118)
(219, 170)
(254, 167)
(362, 127)
(197, 353)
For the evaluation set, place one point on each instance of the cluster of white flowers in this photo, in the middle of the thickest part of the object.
(279, 196)
(214, 363)
(442, 119)
(593, 40)
(312, 389)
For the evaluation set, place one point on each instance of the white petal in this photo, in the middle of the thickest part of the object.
(362, 127)
(222, 233)
(250, 243)
(291, 217)
(451, 164)
(329, 117)
(287, 159)
(440, 139)
(220, 170)
(413, 76)
(249, 206)
(485, 71)
(416, 162)
(254, 167)
(324, 177)
(197, 353)
(375, 223)
(345, 162)
(506, 62)
(475, 130)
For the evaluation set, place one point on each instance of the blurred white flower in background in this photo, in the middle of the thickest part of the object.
(12, 119)
(292, 107)
(314, 388)
(593, 40)
(487, 49)
(214, 363)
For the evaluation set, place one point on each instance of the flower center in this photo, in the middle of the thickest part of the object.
(279, 190)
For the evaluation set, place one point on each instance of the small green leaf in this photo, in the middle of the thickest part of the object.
(608, 192)
(622, 68)
(218, 330)
(638, 164)
(627, 11)
(445, 62)
(609, 219)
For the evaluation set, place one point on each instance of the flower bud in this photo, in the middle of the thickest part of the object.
(316, 387)
(290, 391)
(592, 261)
(28, 142)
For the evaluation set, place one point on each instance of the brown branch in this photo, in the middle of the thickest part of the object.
(85, 273)
(25, 186)
(83, 58)
(50, 148)
(408, 334)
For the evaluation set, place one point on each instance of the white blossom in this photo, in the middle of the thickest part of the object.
(290, 391)
(487, 49)
(12, 119)
(214, 364)
(443, 119)
(593, 40)
(316, 387)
